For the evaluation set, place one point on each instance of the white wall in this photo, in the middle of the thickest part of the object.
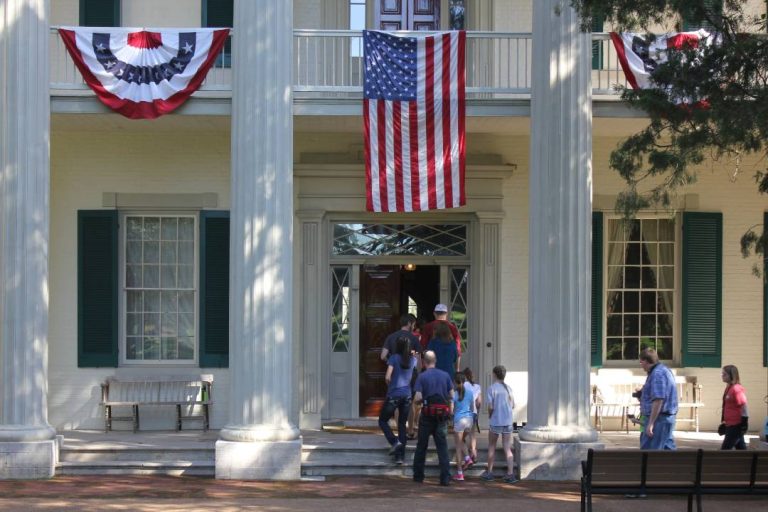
(84, 164)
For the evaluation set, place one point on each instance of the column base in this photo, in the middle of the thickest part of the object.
(28, 460)
(258, 460)
(551, 461)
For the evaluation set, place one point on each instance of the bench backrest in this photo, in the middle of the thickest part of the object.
(681, 468)
(636, 467)
(611, 389)
(149, 390)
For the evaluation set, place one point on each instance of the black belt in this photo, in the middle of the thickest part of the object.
(667, 413)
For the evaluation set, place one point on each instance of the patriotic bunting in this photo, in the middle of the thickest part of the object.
(413, 112)
(143, 74)
(641, 54)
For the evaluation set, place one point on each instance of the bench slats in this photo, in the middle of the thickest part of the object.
(687, 472)
(187, 393)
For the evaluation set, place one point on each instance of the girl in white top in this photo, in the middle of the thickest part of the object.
(500, 406)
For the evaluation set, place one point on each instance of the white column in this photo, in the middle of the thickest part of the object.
(560, 231)
(261, 440)
(26, 439)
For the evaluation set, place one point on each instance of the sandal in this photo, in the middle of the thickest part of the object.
(411, 435)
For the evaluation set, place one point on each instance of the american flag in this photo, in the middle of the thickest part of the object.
(413, 110)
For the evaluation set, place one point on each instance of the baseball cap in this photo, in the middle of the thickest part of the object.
(441, 308)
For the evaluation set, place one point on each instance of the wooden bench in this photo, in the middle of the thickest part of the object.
(150, 391)
(692, 473)
(612, 398)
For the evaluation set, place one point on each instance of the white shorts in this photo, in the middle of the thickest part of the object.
(463, 424)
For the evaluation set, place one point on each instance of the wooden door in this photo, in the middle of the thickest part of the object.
(408, 14)
(379, 316)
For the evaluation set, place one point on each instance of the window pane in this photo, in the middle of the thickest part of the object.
(186, 253)
(169, 302)
(169, 322)
(666, 254)
(631, 325)
(648, 325)
(168, 254)
(135, 302)
(133, 276)
(667, 276)
(133, 348)
(133, 324)
(151, 228)
(613, 349)
(151, 252)
(186, 276)
(152, 301)
(615, 304)
(614, 325)
(168, 276)
(647, 343)
(633, 254)
(631, 351)
(133, 230)
(151, 348)
(634, 231)
(133, 252)
(400, 239)
(631, 302)
(151, 276)
(187, 302)
(650, 230)
(169, 228)
(186, 324)
(648, 301)
(186, 348)
(665, 325)
(632, 277)
(186, 228)
(649, 277)
(664, 348)
(169, 348)
(151, 324)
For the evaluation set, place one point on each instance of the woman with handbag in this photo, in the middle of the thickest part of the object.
(735, 418)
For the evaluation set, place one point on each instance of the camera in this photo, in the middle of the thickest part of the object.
(637, 394)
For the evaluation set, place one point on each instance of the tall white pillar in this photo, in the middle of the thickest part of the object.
(261, 440)
(27, 449)
(560, 245)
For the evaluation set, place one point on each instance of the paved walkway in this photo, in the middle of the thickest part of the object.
(337, 494)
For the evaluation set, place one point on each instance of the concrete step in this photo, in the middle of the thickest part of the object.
(121, 454)
(176, 468)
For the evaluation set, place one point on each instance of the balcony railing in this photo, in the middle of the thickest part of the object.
(328, 63)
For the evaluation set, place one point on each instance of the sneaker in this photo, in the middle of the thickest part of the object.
(399, 461)
(395, 447)
(459, 477)
(510, 479)
(488, 477)
(468, 463)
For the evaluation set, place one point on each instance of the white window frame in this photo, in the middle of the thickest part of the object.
(122, 296)
(676, 296)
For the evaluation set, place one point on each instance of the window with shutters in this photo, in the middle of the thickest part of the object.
(692, 21)
(220, 14)
(640, 279)
(99, 13)
(158, 299)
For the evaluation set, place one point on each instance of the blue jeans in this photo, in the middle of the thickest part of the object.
(662, 434)
(439, 430)
(402, 406)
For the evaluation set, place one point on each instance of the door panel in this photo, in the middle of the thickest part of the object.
(380, 309)
(407, 15)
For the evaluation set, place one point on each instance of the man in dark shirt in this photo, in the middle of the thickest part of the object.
(407, 322)
(433, 388)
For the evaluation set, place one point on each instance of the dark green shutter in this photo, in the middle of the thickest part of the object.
(100, 13)
(702, 289)
(214, 289)
(765, 289)
(97, 284)
(220, 14)
(597, 289)
(597, 46)
(690, 23)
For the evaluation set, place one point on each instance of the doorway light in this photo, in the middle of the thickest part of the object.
(410, 267)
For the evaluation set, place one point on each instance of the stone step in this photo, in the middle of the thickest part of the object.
(85, 455)
(176, 468)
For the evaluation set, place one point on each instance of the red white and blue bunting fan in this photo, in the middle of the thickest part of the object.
(641, 54)
(143, 74)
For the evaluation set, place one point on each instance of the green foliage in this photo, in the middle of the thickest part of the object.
(725, 115)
